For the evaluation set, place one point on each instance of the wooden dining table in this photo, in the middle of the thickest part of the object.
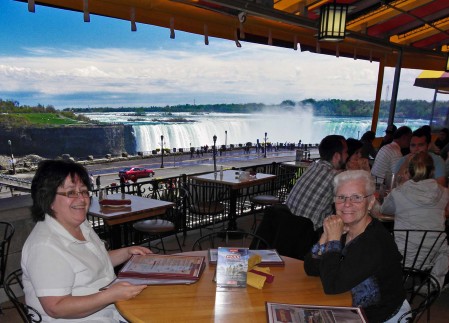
(204, 302)
(113, 216)
(233, 180)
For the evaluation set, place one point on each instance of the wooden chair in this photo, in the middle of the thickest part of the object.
(230, 238)
(13, 283)
(6, 233)
(204, 203)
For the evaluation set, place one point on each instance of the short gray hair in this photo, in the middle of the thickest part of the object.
(352, 175)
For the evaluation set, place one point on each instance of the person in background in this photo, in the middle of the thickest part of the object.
(420, 204)
(368, 150)
(388, 155)
(355, 160)
(389, 132)
(64, 262)
(420, 142)
(311, 197)
(91, 179)
(98, 182)
(441, 144)
(356, 253)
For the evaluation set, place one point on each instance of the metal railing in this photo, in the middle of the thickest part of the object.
(169, 189)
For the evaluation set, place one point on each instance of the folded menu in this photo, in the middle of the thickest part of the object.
(270, 257)
(154, 269)
(112, 202)
(296, 313)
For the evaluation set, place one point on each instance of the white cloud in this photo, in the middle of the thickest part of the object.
(216, 73)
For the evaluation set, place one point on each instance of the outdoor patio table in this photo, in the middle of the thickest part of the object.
(301, 166)
(140, 208)
(232, 181)
(203, 302)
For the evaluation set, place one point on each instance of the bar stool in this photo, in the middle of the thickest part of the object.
(157, 228)
(6, 233)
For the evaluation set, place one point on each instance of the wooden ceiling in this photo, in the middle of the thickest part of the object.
(376, 30)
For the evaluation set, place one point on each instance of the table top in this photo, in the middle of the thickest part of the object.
(297, 163)
(140, 206)
(203, 302)
(231, 178)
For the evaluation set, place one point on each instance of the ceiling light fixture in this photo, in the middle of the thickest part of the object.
(133, 19)
(206, 35)
(31, 6)
(270, 38)
(86, 11)
(447, 63)
(333, 22)
(236, 39)
(295, 42)
(172, 28)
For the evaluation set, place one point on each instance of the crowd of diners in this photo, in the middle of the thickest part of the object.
(65, 264)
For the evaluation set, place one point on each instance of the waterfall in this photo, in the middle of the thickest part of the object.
(281, 127)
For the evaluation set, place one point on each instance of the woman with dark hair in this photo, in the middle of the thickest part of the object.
(64, 262)
(368, 149)
(441, 142)
(420, 204)
(355, 160)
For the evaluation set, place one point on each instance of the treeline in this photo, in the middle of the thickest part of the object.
(414, 109)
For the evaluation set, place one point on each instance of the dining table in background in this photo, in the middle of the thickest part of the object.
(300, 166)
(204, 302)
(233, 180)
(140, 208)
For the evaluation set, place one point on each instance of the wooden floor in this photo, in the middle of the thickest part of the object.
(439, 311)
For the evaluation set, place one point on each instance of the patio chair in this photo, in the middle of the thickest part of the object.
(13, 283)
(230, 238)
(204, 203)
(422, 290)
(6, 233)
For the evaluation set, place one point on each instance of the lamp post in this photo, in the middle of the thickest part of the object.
(226, 140)
(215, 153)
(265, 148)
(12, 157)
(162, 151)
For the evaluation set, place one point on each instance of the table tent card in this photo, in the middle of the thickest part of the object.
(232, 267)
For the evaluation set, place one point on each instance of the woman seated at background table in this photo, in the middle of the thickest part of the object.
(64, 262)
(356, 253)
(420, 204)
(355, 160)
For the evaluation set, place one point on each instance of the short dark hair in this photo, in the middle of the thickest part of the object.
(330, 145)
(50, 175)
(369, 135)
(421, 132)
(404, 130)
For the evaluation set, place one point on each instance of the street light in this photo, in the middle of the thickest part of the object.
(214, 153)
(162, 151)
(265, 148)
(226, 139)
(12, 158)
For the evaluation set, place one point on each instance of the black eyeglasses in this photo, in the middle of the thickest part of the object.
(75, 194)
(353, 198)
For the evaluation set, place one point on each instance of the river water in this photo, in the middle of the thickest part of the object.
(197, 130)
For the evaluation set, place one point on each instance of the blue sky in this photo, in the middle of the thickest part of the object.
(53, 57)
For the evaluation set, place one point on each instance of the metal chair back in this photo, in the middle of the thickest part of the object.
(12, 283)
(6, 233)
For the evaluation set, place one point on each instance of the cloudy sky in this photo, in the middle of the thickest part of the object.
(53, 57)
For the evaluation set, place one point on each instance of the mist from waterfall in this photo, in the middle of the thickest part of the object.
(281, 126)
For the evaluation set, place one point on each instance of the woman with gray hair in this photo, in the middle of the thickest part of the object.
(356, 253)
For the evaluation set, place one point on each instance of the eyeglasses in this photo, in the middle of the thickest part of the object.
(75, 194)
(353, 198)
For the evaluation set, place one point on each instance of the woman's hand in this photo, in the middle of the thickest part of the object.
(333, 227)
(119, 256)
(123, 291)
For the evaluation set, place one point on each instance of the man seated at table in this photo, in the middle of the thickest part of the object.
(312, 197)
(389, 154)
(420, 142)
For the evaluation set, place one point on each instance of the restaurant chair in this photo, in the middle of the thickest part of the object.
(160, 228)
(204, 204)
(230, 238)
(280, 188)
(6, 233)
(292, 236)
(13, 286)
(422, 290)
(419, 248)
